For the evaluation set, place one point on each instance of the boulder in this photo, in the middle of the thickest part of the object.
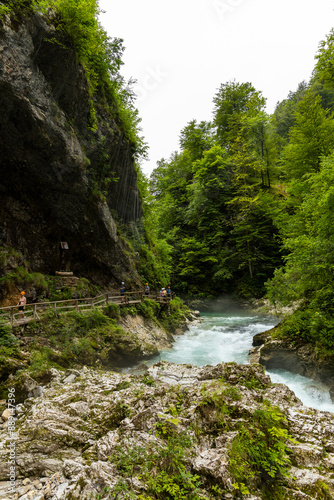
(21, 387)
(299, 359)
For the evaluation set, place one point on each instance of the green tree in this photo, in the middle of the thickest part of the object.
(311, 138)
(284, 114)
(308, 235)
(208, 212)
(194, 268)
(169, 183)
(233, 102)
(324, 68)
(251, 156)
(196, 138)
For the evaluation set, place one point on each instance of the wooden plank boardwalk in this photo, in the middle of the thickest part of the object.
(34, 311)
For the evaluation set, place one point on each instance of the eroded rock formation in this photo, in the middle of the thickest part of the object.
(93, 434)
(301, 359)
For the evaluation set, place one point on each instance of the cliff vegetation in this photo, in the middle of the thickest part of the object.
(108, 338)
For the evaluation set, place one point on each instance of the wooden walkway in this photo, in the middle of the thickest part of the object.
(10, 314)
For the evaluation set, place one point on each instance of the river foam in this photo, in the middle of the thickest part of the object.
(225, 337)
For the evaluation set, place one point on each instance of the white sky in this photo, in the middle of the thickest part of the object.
(180, 52)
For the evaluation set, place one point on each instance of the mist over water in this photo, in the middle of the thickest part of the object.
(228, 336)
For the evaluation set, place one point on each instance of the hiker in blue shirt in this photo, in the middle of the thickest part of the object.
(122, 291)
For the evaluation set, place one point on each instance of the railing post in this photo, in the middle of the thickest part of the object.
(92, 303)
(107, 298)
(77, 305)
(35, 312)
(12, 316)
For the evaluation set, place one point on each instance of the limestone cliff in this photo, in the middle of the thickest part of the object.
(50, 156)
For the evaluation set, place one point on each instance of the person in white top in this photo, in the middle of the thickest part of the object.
(22, 303)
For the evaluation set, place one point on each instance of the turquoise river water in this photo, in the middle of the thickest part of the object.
(226, 337)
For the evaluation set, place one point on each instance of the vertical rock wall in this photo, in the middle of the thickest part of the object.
(48, 154)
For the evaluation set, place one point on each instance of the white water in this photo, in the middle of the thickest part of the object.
(228, 337)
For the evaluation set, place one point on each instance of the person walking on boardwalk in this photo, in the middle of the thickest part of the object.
(169, 292)
(122, 291)
(22, 303)
(147, 289)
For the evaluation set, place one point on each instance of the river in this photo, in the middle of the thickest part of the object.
(226, 337)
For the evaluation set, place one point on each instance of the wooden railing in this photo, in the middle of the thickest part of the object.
(34, 311)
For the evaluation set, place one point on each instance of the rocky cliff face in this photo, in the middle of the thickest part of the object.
(50, 156)
(176, 428)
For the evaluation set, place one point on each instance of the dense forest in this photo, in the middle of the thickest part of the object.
(246, 205)
(247, 199)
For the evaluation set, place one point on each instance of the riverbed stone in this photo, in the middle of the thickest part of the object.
(6, 414)
(106, 445)
(67, 439)
(71, 378)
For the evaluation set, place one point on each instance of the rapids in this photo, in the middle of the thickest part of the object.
(226, 337)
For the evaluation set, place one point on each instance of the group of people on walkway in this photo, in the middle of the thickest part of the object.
(164, 292)
(167, 293)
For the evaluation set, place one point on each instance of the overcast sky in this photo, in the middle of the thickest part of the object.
(180, 51)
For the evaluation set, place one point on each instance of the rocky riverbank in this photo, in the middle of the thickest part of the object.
(92, 434)
(302, 358)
